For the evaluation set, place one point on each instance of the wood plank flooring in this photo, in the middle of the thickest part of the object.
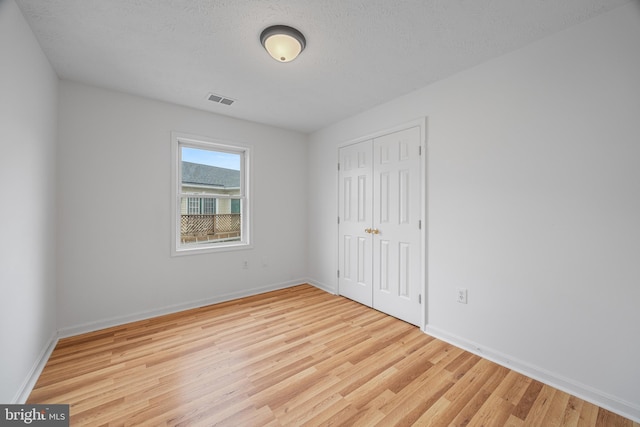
(293, 357)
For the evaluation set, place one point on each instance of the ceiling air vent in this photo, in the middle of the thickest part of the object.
(220, 99)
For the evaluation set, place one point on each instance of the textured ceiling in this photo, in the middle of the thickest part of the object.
(360, 53)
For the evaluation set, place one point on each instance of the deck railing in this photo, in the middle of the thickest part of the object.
(209, 227)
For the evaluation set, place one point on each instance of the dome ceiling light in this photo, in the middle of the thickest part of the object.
(283, 43)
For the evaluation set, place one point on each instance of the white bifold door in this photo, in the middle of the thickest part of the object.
(380, 256)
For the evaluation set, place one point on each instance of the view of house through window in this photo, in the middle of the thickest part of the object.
(211, 197)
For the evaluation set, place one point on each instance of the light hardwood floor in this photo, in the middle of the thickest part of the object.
(297, 356)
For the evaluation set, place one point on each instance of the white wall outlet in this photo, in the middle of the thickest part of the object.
(462, 295)
(245, 264)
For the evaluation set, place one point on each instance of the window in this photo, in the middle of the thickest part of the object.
(235, 206)
(193, 205)
(209, 206)
(210, 203)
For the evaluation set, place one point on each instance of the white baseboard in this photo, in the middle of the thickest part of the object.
(120, 320)
(320, 285)
(27, 386)
(585, 392)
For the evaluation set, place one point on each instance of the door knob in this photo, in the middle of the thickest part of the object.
(375, 231)
(367, 230)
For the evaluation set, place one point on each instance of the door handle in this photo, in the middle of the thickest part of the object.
(375, 231)
(367, 230)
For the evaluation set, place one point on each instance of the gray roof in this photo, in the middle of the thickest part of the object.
(195, 173)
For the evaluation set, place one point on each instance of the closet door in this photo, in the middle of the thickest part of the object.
(355, 216)
(397, 254)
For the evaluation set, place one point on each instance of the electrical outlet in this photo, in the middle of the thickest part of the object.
(245, 264)
(462, 295)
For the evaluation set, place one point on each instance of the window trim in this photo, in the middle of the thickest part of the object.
(179, 140)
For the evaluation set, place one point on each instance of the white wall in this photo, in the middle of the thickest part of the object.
(533, 205)
(114, 217)
(28, 98)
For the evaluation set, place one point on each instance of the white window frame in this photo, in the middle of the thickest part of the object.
(179, 140)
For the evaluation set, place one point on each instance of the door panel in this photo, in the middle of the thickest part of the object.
(397, 246)
(355, 251)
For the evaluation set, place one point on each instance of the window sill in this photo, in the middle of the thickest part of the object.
(207, 249)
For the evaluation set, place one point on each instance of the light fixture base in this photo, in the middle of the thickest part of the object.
(283, 43)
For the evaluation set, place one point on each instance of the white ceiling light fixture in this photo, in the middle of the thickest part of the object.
(283, 43)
